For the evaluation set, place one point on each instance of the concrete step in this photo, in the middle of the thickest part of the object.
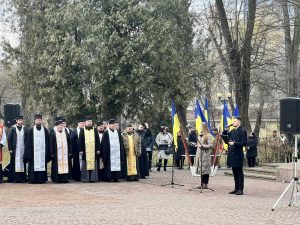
(260, 170)
(254, 175)
(271, 165)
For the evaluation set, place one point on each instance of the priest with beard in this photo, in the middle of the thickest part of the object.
(37, 152)
(132, 146)
(112, 153)
(16, 146)
(77, 158)
(60, 150)
(89, 148)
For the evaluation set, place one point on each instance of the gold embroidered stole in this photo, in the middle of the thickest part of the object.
(89, 136)
(62, 152)
(131, 157)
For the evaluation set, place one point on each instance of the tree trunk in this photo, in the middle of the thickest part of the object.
(181, 112)
(239, 61)
(259, 112)
(291, 48)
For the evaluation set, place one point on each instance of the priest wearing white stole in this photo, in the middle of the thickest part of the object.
(60, 151)
(89, 149)
(37, 152)
(16, 145)
(2, 143)
(113, 154)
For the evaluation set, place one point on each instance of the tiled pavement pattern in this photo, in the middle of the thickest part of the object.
(145, 202)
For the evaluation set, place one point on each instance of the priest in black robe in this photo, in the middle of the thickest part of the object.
(60, 151)
(16, 145)
(101, 129)
(113, 154)
(77, 158)
(89, 148)
(37, 152)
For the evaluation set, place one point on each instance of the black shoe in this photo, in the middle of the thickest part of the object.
(158, 169)
(165, 169)
(239, 192)
(233, 192)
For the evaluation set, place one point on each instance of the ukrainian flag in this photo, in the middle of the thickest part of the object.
(226, 118)
(200, 117)
(175, 124)
(236, 111)
(206, 114)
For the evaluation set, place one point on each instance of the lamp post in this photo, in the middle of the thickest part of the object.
(224, 97)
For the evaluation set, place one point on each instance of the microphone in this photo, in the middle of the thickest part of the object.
(229, 125)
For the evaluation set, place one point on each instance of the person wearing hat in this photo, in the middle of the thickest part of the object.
(132, 146)
(89, 148)
(2, 143)
(60, 151)
(37, 152)
(77, 158)
(101, 129)
(113, 153)
(16, 147)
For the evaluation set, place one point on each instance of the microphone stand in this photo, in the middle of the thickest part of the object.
(200, 188)
(173, 166)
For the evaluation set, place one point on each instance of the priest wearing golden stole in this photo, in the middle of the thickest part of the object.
(60, 150)
(132, 146)
(89, 148)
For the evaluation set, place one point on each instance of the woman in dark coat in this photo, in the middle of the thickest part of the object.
(180, 151)
(252, 149)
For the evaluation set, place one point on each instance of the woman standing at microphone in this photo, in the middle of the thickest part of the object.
(203, 159)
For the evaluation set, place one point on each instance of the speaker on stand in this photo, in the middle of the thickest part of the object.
(10, 113)
(290, 124)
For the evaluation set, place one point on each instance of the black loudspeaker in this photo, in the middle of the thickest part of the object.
(290, 115)
(10, 113)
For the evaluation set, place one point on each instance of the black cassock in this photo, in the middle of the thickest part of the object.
(76, 173)
(143, 159)
(89, 175)
(63, 178)
(17, 177)
(36, 177)
(109, 175)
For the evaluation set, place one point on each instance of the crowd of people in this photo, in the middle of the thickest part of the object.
(87, 153)
(102, 152)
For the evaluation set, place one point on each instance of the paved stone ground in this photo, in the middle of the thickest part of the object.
(146, 202)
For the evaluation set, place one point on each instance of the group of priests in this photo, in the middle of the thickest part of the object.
(87, 153)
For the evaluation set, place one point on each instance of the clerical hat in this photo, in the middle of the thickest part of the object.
(88, 118)
(38, 116)
(112, 121)
(58, 118)
(19, 117)
(58, 122)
